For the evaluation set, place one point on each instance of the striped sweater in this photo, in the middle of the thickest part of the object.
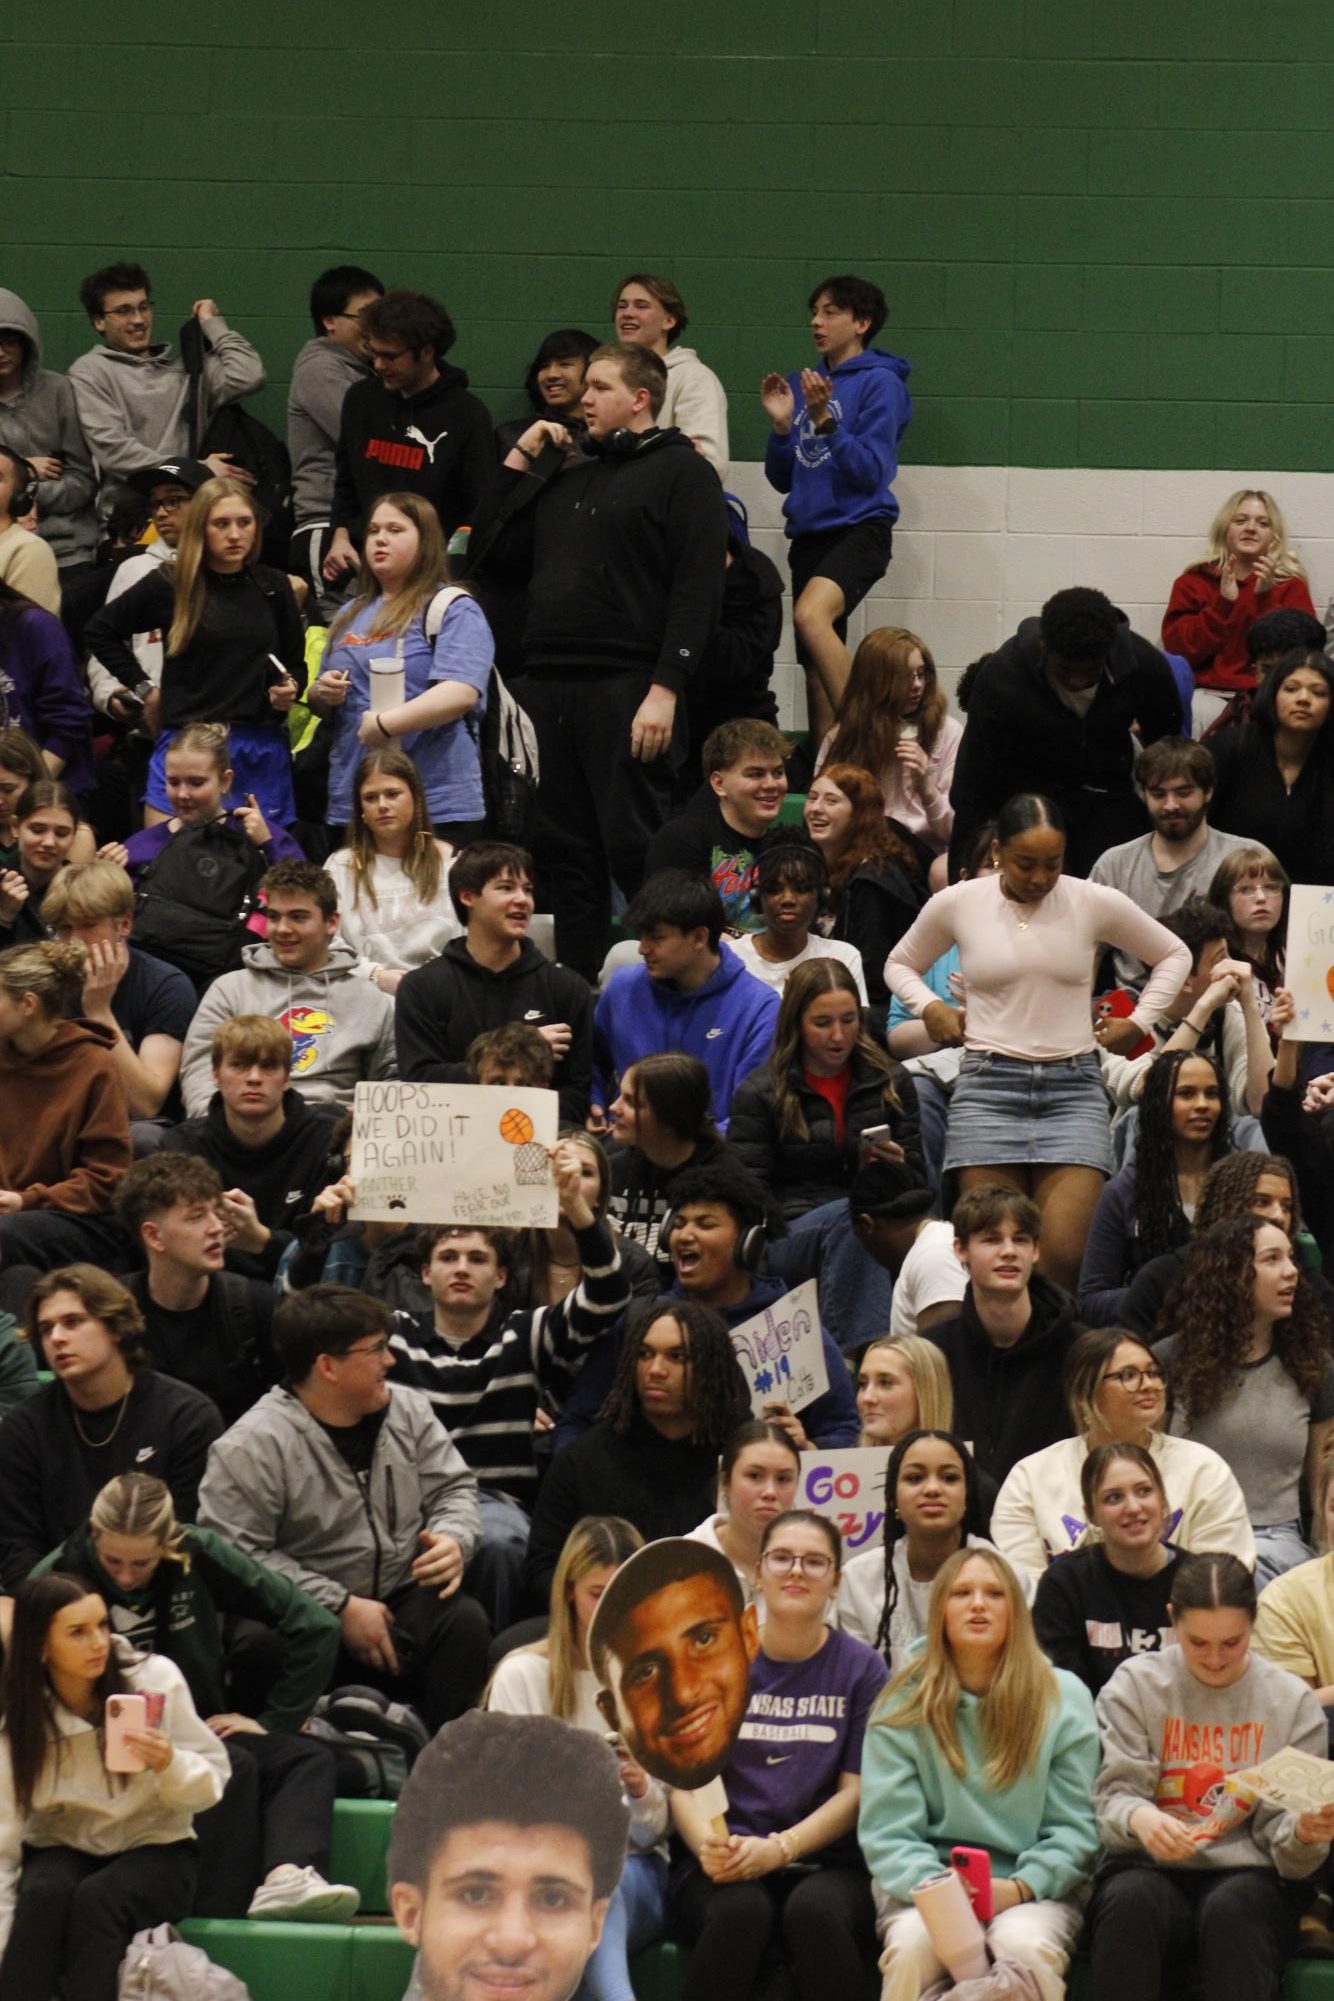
(486, 1391)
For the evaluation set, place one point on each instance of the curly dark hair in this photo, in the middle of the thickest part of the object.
(719, 1400)
(1208, 1314)
(1230, 1185)
(1160, 1221)
(974, 1520)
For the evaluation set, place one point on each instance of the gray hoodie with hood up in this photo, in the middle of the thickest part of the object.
(342, 1026)
(42, 420)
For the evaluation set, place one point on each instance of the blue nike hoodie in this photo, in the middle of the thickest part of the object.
(849, 476)
(728, 1023)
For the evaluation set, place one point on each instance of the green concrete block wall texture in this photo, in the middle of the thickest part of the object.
(1103, 231)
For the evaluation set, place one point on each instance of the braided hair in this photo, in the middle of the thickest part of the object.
(973, 1522)
(1160, 1221)
(719, 1400)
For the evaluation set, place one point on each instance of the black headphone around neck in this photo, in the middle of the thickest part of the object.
(747, 1251)
(24, 497)
(622, 443)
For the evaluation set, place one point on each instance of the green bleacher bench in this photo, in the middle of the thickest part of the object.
(792, 810)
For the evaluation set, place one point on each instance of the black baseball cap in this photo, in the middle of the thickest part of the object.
(187, 472)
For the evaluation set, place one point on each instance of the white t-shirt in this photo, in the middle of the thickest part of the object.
(815, 948)
(931, 1275)
(398, 931)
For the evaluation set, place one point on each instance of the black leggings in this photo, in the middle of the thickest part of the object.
(76, 1914)
(808, 1931)
(277, 1807)
(1237, 1925)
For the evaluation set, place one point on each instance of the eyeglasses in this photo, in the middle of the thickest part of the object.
(783, 1561)
(379, 1347)
(168, 504)
(134, 312)
(1132, 1379)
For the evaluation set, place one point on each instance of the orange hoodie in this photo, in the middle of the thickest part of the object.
(64, 1124)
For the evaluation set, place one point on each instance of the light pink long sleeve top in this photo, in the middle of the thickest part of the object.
(1028, 967)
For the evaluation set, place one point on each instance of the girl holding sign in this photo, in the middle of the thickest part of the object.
(979, 1742)
(786, 1881)
(1191, 1874)
(96, 1838)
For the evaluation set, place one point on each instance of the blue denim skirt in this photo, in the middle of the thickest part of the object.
(1007, 1112)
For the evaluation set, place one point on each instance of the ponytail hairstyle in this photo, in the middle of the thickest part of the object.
(51, 972)
(1100, 1457)
(189, 569)
(138, 1504)
(1212, 1581)
(208, 740)
(422, 864)
(973, 1521)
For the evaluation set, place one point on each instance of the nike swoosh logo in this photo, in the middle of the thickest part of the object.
(779, 1761)
(144, 1452)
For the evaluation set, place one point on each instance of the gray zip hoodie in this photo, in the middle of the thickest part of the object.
(342, 1026)
(278, 1487)
(43, 420)
(322, 374)
(132, 406)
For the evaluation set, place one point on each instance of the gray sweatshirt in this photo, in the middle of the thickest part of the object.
(277, 1486)
(132, 406)
(42, 420)
(342, 1026)
(322, 374)
(1169, 1741)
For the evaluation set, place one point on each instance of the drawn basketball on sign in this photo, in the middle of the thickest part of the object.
(531, 1166)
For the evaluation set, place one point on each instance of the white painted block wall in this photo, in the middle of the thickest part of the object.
(978, 548)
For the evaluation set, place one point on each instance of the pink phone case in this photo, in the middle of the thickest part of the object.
(974, 1866)
(124, 1713)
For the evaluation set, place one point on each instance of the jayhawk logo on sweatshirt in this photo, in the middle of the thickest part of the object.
(306, 1025)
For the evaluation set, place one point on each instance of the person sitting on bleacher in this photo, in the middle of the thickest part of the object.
(270, 1148)
(86, 1859)
(169, 1589)
(350, 1488)
(719, 834)
(107, 1412)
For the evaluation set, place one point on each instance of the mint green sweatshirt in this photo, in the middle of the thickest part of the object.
(915, 1808)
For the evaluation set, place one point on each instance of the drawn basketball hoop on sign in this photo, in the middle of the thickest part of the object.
(531, 1166)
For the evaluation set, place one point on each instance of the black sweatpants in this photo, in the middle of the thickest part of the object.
(76, 1914)
(277, 1807)
(808, 1931)
(598, 807)
(1149, 1923)
(443, 1656)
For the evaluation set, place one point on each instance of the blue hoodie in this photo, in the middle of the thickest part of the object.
(847, 477)
(829, 1421)
(728, 1023)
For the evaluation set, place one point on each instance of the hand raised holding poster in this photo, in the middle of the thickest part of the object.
(781, 1352)
(454, 1153)
(1308, 972)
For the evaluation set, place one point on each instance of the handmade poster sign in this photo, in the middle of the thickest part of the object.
(1309, 966)
(677, 1703)
(781, 1351)
(847, 1484)
(505, 1852)
(454, 1153)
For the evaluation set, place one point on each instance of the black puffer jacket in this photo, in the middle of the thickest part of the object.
(804, 1173)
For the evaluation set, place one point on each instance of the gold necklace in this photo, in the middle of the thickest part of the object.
(96, 1444)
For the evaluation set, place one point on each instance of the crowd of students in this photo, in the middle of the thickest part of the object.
(990, 1047)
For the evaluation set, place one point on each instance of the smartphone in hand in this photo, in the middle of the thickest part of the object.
(974, 1866)
(128, 1714)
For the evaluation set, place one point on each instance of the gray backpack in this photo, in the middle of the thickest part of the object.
(160, 1966)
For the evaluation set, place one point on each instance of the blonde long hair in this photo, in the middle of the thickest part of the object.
(429, 573)
(930, 1376)
(1015, 1709)
(188, 570)
(137, 1504)
(597, 1542)
(1288, 564)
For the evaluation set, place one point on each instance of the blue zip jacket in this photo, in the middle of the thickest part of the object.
(849, 476)
(831, 1420)
(728, 1023)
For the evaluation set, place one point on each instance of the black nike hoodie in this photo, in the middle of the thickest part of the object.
(440, 1008)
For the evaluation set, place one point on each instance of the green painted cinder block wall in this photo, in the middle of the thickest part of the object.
(1104, 230)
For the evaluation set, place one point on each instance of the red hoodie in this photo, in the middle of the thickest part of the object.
(1211, 633)
(65, 1133)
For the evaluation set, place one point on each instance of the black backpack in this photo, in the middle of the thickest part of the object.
(506, 743)
(253, 445)
(192, 904)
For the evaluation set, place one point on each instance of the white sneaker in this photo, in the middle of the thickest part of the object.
(294, 1892)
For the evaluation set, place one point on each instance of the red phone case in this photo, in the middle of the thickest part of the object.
(974, 1865)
